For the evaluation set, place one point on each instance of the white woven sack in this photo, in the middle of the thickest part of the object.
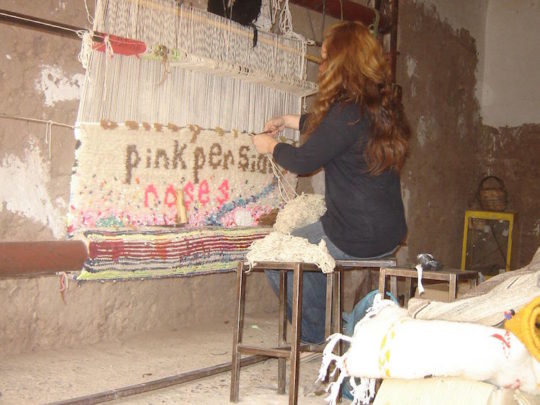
(388, 343)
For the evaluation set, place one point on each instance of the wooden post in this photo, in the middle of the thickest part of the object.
(351, 11)
(47, 257)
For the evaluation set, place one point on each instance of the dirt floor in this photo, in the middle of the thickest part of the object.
(54, 376)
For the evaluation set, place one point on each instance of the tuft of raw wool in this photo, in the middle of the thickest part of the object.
(286, 248)
(303, 210)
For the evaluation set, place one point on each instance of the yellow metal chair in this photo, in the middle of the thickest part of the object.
(486, 215)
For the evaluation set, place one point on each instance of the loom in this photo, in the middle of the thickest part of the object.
(171, 94)
(190, 67)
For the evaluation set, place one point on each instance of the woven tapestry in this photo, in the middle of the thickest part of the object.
(132, 175)
(155, 253)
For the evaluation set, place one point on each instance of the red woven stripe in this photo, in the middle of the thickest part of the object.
(113, 250)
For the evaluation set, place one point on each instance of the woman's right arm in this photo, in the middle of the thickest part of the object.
(277, 124)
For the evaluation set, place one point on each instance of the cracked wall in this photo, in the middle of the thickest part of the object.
(436, 69)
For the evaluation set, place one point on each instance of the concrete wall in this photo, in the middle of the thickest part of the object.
(36, 316)
(441, 67)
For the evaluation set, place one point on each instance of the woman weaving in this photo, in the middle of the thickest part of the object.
(358, 133)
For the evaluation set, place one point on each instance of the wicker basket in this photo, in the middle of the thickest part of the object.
(492, 194)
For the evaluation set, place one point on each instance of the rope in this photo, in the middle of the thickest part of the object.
(86, 47)
(48, 127)
(89, 17)
(283, 184)
(419, 269)
(64, 284)
(374, 27)
(49, 122)
(48, 137)
(38, 22)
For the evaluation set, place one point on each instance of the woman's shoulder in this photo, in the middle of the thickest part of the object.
(348, 108)
(346, 111)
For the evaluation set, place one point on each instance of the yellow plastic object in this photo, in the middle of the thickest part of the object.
(523, 325)
(489, 215)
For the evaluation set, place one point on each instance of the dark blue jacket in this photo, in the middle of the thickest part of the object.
(365, 215)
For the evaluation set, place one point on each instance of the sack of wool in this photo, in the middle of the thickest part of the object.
(387, 343)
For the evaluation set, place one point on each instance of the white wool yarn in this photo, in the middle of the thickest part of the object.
(286, 248)
(280, 246)
(303, 210)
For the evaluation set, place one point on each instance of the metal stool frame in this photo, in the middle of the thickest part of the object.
(284, 351)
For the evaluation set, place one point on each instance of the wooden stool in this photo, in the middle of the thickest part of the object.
(284, 350)
(451, 276)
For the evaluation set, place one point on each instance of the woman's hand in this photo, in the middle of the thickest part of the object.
(264, 143)
(278, 124)
(274, 125)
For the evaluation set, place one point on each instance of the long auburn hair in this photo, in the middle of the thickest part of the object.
(356, 70)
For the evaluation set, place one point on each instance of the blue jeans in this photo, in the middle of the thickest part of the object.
(313, 286)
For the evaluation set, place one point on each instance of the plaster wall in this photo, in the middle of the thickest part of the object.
(37, 316)
(40, 78)
(437, 67)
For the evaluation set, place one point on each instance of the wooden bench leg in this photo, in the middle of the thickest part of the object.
(338, 305)
(329, 321)
(408, 291)
(393, 286)
(282, 330)
(452, 288)
(473, 282)
(237, 332)
(382, 282)
(295, 334)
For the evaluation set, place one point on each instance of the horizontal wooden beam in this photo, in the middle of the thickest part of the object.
(161, 383)
(351, 11)
(48, 26)
(38, 258)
